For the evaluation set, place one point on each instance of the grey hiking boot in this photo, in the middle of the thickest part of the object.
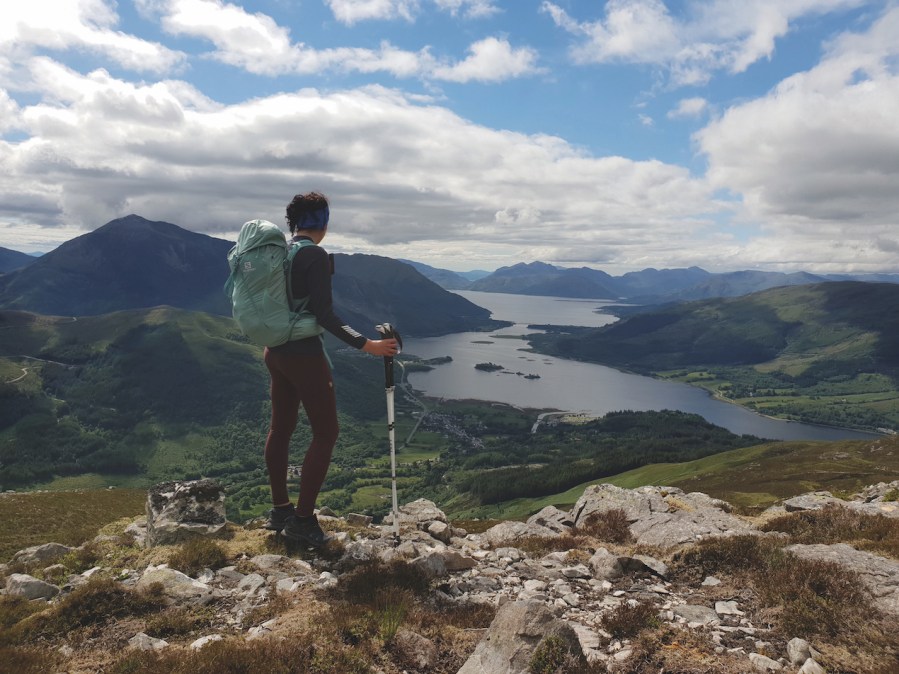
(306, 530)
(277, 518)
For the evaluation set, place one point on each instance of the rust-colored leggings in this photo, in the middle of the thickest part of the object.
(300, 379)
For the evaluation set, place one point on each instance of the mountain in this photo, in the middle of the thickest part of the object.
(538, 278)
(132, 263)
(369, 289)
(474, 274)
(649, 286)
(445, 278)
(651, 282)
(128, 263)
(844, 321)
(735, 284)
(10, 260)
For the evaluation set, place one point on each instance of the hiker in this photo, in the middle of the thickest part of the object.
(301, 374)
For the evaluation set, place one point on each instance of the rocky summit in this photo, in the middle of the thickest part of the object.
(629, 580)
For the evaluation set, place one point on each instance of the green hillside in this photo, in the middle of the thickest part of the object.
(825, 353)
(749, 477)
(147, 395)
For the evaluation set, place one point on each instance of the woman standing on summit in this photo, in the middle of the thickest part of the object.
(301, 374)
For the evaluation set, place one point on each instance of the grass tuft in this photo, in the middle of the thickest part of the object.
(836, 524)
(674, 650)
(26, 660)
(611, 526)
(300, 655)
(627, 620)
(804, 598)
(551, 656)
(537, 546)
(365, 583)
(197, 554)
(96, 602)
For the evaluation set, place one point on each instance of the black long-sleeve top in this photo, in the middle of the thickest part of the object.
(311, 277)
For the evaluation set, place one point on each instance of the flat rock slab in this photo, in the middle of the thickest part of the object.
(505, 533)
(662, 516)
(880, 575)
(875, 505)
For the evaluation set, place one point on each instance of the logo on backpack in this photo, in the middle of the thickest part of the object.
(259, 287)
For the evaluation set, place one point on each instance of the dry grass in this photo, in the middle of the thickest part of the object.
(197, 554)
(28, 660)
(35, 518)
(816, 600)
(300, 655)
(538, 546)
(628, 620)
(98, 602)
(836, 524)
(673, 650)
(611, 526)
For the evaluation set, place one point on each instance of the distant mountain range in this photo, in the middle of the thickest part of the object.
(133, 263)
(649, 286)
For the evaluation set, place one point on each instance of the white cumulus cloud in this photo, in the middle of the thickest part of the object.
(257, 44)
(689, 107)
(404, 177)
(711, 35)
(85, 25)
(816, 161)
(353, 11)
(490, 60)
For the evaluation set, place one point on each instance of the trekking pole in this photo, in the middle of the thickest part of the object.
(387, 331)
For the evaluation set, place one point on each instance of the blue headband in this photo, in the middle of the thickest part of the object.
(314, 220)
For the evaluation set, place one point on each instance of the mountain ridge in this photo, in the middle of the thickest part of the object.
(132, 263)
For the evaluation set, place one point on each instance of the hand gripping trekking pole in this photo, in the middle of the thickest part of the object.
(387, 331)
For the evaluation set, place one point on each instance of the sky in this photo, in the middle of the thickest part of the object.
(466, 134)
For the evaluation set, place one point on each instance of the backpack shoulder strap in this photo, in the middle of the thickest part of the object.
(293, 248)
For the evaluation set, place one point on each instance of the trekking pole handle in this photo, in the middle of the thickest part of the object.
(387, 331)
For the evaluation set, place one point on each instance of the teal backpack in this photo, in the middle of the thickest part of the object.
(259, 287)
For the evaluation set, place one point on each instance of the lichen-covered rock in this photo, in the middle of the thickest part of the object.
(143, 642)
(515, 634)
(175, 584)
(417, 513)
(552, 518)
(509, 532)
(41, 554)
(177, 511)
(23, 585)
(662, 516)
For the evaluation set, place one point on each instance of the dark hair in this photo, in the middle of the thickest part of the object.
(303, 205)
